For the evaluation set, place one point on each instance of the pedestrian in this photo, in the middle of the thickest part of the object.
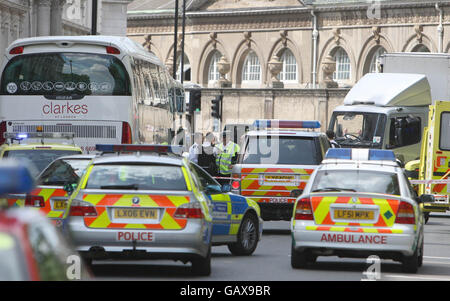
(195, 148)
(331, 136)
(227, 153)
(207, 156)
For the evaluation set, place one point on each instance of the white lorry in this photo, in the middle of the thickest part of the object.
(389, 110)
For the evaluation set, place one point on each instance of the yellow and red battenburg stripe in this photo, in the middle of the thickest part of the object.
(167, 203)
(322, 214)
(47, 194)
(250, 185)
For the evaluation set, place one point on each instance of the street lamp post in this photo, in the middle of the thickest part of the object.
(94, 17)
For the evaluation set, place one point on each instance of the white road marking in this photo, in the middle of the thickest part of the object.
(418, 277)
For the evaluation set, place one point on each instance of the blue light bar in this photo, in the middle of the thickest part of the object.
(286, 124)
(152, 148)
(339, 153)
(381, 154)
(15, 178)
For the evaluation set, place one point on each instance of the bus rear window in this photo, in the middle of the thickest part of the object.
(281, 150)
(65, 74)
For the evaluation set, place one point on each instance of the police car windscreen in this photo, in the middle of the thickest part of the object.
(38, 158)
(64, 171)
(12, 263)
(136, 177)
(281, 150)
(356, 180)
(65, 74)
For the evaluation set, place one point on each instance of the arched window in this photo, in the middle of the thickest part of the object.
(374, 61)
(289, 72)
(251, 70)
(213, 71)
(343, 68)
(421, 48)
(186, 69)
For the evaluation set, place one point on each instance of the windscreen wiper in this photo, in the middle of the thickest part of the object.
(334, 189)
(127, 187)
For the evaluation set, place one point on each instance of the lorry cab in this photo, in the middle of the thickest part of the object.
(384, 111)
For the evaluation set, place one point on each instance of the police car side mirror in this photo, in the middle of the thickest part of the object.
(296, 193)
(226, 188)
(426, 198)
(213, 189)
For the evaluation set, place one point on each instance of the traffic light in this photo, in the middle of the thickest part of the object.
(216, 107)
(195, 103)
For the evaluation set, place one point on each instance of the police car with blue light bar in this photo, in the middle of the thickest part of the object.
(358, 203)
(148, 202)
(277, 160)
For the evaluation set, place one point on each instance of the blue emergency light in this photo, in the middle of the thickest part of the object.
(286, 124)
(360, 154)
(15, 178)
(151, 148)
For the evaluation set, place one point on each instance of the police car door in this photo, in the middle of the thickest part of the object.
(221, 205)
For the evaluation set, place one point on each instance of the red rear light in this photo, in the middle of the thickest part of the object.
(112, 50)
(303, 211)
(81, 208)
(126, 133)
(189, 210)
(235, 185)
(16, 50)
(2, 131)
(405, 214)
(34, 201)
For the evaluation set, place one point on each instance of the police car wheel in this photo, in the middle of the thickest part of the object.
(202, 266)
(410, 264)
(247, 238)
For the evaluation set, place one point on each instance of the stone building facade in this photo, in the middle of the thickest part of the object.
(295, 49)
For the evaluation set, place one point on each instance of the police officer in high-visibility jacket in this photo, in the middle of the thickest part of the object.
(227, 153)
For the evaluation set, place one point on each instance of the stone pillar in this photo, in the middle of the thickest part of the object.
(56, 17)
(275, 67)
(43, 17)
(223, 66)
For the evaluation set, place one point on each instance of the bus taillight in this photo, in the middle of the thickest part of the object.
(126, 133)
(2, 132)
(16, 50)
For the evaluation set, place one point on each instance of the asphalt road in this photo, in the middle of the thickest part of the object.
(271, 262)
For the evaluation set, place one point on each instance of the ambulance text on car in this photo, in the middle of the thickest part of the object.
(148, 202)
(277, 160)
(358, 203)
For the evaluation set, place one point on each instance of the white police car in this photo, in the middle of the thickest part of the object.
(358, 203)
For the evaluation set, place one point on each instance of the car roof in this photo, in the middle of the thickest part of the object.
(31, 146)
(141, 158)
(77, 157)
(285, 132)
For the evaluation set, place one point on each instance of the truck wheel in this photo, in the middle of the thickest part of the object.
(426, 215)
(247, 238)
(202, 266)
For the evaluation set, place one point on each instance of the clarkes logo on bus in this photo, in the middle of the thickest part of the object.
(64, 109)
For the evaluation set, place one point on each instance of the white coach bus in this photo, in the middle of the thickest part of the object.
(104, 89)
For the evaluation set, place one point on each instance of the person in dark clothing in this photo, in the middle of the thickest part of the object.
(330, 135)
(207, 156)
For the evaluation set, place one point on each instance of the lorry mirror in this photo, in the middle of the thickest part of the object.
(426, 198)
(400, 163)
